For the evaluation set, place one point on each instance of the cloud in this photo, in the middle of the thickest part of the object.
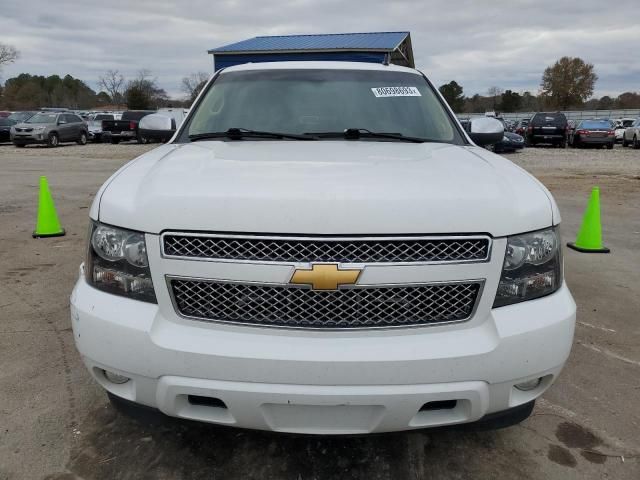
(504, 43)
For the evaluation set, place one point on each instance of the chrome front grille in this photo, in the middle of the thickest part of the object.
(300, 307)
(332, 250)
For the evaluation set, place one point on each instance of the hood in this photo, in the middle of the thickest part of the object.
(323, 187)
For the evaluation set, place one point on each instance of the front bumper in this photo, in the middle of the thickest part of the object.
(29, 138)
(322, 382)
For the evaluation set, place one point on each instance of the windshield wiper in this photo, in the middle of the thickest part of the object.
(240, 133)
(358, 133)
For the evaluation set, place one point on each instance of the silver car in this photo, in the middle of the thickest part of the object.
(631, 135)
(95, 125)
(50, 128)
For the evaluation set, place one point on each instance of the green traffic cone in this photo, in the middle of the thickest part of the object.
(589, 238)
(48, 224)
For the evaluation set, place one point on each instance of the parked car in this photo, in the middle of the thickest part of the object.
(631, 135)
(621, 125)
(511, 142)
(521, 127)
(126, 128)
(548, 128)
(21, 116)
(94, 125)
(596, 133)
(50, 128)
(5, 129)
(287, 263)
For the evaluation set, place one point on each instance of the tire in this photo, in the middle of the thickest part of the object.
(83, 139)
(609, 146)
(624, 143)
(142, 140)
(19, 145)
(634, 143)
(115, 140)
(53, 141)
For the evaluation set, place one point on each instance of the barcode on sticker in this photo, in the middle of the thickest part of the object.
(396, 92)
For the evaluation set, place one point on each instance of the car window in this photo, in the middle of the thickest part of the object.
(549, 118)
(74, 119)
(43, 118)
(314, 101)
(595, 124)
(103, 117)
(6, 122)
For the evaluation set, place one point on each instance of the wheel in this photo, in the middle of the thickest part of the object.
(624, 142)
(609, 146)
(634, 143)
(141, 139)
(83, 139)
(53, 140)
(19, 145)
(115, 140)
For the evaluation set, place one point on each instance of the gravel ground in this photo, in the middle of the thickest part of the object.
(56, 424)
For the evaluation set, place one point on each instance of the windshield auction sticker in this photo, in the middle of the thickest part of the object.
(396, 92)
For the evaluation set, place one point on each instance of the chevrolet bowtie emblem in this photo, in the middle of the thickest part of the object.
(325, 276)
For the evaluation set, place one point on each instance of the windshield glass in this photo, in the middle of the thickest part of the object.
(314, 101)
(43, 118)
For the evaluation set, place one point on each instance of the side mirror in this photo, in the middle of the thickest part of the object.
(157, 127)
(486, 131)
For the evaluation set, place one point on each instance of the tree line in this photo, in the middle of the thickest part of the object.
(567, 84)
(141, 92)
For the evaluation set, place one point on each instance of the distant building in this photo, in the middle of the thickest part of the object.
(374, 47)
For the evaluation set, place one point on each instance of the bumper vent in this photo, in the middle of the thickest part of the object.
(335, 250)
(299, 307)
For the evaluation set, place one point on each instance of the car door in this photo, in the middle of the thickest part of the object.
(64, 128)
(77, 124)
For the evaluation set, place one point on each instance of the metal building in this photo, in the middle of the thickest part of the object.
(374, 47)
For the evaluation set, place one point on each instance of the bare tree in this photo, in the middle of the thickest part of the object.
(8, 54)
(495, 92)
(112, 82)
(193, 83)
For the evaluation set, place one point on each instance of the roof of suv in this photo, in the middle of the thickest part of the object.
(319, 65)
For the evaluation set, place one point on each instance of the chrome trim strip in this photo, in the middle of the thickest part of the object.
(326, 239)
(168, 278)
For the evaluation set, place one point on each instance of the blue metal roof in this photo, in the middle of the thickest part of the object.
(374, 41)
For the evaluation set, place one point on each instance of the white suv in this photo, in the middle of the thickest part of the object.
(321, 248)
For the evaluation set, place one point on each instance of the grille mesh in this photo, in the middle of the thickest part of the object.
(346, 308)
(319, 250)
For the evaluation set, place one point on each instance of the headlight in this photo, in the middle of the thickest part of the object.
(39, 129)
(117, 262)
(532, 267)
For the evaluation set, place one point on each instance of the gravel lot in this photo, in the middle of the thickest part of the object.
(55, 423)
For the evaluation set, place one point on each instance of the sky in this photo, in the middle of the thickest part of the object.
(479, 44)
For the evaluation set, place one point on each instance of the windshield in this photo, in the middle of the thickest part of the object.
(321, 101)
(43, 118)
